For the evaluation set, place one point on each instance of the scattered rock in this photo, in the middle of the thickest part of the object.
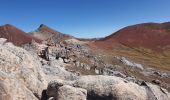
(130, 63)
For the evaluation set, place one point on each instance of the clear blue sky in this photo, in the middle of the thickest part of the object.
(82, 18)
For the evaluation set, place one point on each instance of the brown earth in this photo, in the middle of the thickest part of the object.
(15, 35)
(153, 36)
(146, 43)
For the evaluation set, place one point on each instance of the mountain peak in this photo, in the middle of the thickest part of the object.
(44, 27)
(8, 25)
(44, 32)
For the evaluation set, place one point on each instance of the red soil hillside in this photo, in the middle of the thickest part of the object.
(15, 35)
(148, 35)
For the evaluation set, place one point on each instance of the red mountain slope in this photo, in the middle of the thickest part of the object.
(148, 35)
(15, 35)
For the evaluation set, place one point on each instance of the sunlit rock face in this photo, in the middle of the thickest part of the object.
(21, 76)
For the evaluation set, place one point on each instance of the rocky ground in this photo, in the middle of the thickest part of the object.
(70, 70)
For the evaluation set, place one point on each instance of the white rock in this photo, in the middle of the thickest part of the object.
(131, 64)
(114, 87)
(21, 73)
(67, 92)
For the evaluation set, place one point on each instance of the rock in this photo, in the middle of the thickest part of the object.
(45, 54)
(110, 72)
(2, 41)
(159, 93)
(12, 89)
(158, 82)
(157, 73)
(67, 92)
(131, 64)
(53, 88)
(129, 91)
(21, 76)
(54, 71)
(111, 88)
(60, 91)
(97, 71)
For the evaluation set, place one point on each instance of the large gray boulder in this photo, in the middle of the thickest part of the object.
(111, 87)
(54, 71)
(12, 89)
(59, 91)
(21, 76)
(67, 92)
(158, 93)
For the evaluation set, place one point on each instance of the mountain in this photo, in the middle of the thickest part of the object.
(153, 36)
(44, 32)
(15, 35)
(72, 70)
(147, 43)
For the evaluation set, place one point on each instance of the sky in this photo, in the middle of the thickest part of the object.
(82, 18)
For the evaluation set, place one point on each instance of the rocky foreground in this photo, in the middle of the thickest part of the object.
(26, 76)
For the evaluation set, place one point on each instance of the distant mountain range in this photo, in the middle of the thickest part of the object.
(137, 53)
(148, 35)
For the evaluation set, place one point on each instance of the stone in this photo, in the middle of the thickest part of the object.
(158, 82)
(67, 92)
(101, 87)
(2, 41)
(53, 88)
(159, 93)
(21, 75)
(131, 64)
(62, 90)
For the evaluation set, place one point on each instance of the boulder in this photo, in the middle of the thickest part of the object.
(21, 76)
(67, 92)
(101, 87)
(53, 88)
(12, 89)
(54, 71)
(59, 91)
(158, 92)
